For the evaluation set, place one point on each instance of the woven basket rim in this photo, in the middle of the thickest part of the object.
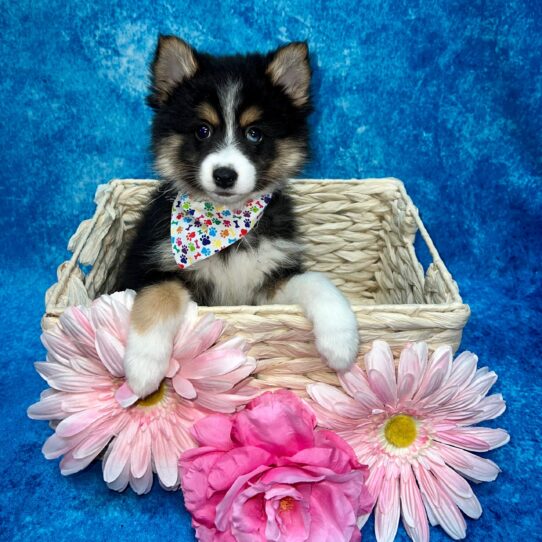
(54, 309)
(379, 182)
(392, 181)
(296, 309)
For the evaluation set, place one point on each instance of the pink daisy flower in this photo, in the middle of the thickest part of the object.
(412, 427)
(95, 411)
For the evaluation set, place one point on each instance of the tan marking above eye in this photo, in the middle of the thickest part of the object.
(250, 115)
(208, 113)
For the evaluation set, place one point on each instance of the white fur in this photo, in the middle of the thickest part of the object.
(229, 100)
(237, 280)
(334, 323)
(228, 154)
(233, 158)
(147, 355)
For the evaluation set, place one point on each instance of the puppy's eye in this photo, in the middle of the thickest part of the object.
(203, 131)
(253, 134)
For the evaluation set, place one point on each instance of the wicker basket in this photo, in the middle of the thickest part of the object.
(359, 233)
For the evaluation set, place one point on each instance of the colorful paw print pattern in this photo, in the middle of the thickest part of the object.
(200, 229)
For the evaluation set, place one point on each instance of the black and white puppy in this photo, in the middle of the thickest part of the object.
(224, 130)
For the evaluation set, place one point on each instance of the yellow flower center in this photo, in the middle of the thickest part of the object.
(400, 431)
(286, 504)
(153, 398)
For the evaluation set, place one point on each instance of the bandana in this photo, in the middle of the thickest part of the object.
(200, 229)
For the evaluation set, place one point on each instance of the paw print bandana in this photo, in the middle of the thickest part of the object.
(200, 229)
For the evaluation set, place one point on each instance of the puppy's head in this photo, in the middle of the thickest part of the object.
(228, 127)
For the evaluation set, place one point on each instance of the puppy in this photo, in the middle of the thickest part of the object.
(227, 132)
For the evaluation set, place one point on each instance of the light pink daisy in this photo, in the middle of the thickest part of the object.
(412, 427)
(85, 370)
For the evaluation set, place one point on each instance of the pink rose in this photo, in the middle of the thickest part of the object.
(265, 473)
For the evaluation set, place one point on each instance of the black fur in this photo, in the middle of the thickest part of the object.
(139, 270)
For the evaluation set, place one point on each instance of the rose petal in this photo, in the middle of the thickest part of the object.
(215, 431)
(271, 415)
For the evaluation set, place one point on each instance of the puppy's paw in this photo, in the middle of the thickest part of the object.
(146, 361)
(337, 340)
(339, 348)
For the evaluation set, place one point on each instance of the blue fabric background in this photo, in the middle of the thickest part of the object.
(444, 95)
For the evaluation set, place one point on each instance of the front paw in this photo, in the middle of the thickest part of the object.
(146, 361)
(338, 345)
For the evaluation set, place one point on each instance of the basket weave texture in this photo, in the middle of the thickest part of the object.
(360, 233)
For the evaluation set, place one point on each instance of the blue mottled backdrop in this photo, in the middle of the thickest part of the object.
(444, 95)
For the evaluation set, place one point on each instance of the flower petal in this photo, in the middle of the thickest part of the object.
(409, 373)
(65, 378)
(463, 370)
(201, 338)
(336, 401)
(111, 312)
(277, 422)
(292, 524)
(142, 484)
(375, 481)
(488, 408)
(71, 465)
(55, 446)
(474, 439)
(355, 383)
(413, 510)
(224, 506)
(443, 510)
(215, 431)
(111, 352)
(387, 510)
(184, 387)
(165, 460)
(336, 460)
(116, 462)
(381, 372)
(212, 363)
(120, 483)
(482, 382)
(125, 396)
(60, 346)
(140, 457)
(437, 373)
(475, 468)
(81, 420)
(226, 382)
(98, 437)
(458, 489)
(333, 516)
(48, 408)
(235, 463)
(223, 402)
(75, 322)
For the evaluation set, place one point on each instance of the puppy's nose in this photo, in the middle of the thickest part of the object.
(224, 177)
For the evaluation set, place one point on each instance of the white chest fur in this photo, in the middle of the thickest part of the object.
(237, 279)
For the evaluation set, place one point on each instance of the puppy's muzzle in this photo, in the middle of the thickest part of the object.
(224, 177)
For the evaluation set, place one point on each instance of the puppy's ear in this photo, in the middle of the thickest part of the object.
(289, 68)
(174, 62)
